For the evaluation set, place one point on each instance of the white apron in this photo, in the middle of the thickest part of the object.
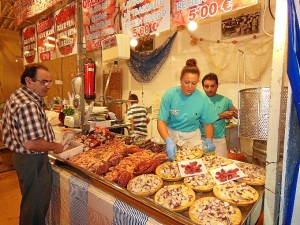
(221, 147)
(186, 139)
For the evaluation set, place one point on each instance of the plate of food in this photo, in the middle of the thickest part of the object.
(191, 167)
(227, 173)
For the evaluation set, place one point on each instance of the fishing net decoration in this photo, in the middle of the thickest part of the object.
(145, 65)
(223, 58)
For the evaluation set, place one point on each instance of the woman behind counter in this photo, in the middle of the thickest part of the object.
(182, 108)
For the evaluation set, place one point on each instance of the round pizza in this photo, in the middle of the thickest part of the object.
(238, 194)
(176, 197)
(201, 182)
(169, 171)
(213, 161)
(188, 153)
(213, 211)
(145, 184)
(254, 174)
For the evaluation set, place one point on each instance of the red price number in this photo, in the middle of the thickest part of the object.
(145, 29)
(203, 11)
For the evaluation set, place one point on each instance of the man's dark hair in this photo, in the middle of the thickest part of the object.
(210, 76)
(30, 71)
(134, 98)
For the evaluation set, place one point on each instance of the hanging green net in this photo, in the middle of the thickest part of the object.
(145, 65)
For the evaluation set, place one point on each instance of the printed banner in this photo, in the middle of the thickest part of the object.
(29, 45)
(98, 21)
(141, 18)
(66, 33)
(25, 9)
(46, 38)
(184, 11)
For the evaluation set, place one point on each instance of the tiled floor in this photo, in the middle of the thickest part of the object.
(10, 198)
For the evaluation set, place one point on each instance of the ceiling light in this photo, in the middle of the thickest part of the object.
(133, 42)
(192, 25)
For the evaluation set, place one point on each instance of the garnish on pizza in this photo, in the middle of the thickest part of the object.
(188, 153)
(169, 171)
(254, 174)
(145, 184)
(212, 211)
(176, 197)
(201, 182)
(238, 194)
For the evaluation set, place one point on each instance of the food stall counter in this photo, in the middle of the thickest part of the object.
(84, 195)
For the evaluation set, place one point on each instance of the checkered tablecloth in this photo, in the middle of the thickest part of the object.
(76, 202)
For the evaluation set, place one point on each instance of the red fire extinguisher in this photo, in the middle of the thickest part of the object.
(89, 79)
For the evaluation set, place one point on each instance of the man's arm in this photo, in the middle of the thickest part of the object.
(40, 145)
(232, 112)
(209, 130)
(235, 112)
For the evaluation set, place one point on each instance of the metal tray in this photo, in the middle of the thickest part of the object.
(144, 204)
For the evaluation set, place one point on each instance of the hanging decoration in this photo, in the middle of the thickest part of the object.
(66, 30)
(98, 22)
(222, 56)
(29, 44)
(142, 18)
(145, 65)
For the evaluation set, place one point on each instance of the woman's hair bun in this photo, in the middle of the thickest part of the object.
(191, 62)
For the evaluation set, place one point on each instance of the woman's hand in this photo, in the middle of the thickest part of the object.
(209, 145)
(171, 148)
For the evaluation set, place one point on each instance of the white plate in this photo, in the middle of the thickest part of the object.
(226, 172)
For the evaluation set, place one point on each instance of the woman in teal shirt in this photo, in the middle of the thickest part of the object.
(182, 108)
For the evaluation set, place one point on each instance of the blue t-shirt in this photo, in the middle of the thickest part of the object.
(221, 104)
(183, 112)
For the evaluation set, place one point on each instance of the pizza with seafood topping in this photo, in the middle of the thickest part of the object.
(212, 162)
(188, 153)
(176, 197)
(254, 174)
(145, 184)
(213, 211)
(238, 194)
(169, 171)
(200, 182)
